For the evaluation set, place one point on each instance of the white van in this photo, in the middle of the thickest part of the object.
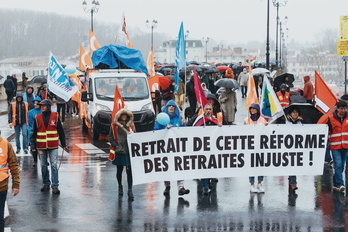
(99, 97)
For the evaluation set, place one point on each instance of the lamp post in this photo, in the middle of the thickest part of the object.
(221, 52)
(282, 38)
(277, 4)
(267, 38)
(92, 9)
(151, 25)
(206, 48)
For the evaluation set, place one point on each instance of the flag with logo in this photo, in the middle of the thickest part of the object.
(180, 56)
(200, 96)
(325, 100)
(150, 63)
(85, 60)
(122, 33)
(269, 103)
(118, 103)
(251, 92)
(93, 43)
(58, 80)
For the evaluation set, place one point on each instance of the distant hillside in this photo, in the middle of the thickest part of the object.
(30, 33)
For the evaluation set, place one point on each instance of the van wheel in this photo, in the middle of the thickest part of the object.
(95, 135)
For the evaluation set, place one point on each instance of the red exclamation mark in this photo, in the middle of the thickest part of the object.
(310, 158)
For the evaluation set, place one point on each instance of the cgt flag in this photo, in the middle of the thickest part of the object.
(85, 60)
(270, 106)
(150, 63)
(93, 43)
(200, 96)
(325, 100)
(58, 80)
(118, 103)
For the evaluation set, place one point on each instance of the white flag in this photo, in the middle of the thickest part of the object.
(58, 81)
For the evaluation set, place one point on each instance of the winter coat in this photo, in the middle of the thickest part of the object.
(229, 106)
(119, 131)
(31, 117)
(308, 88)
(243, 79)
(29, 97)
(21, 111)
(175, 119)
(9, 85)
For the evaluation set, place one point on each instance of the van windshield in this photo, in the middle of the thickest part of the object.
(134, 88)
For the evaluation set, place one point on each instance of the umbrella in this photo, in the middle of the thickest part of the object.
(260, 71)
(222, 68)
(227, 83)
(212, 70)
(191, 67)
(194, 62)
(39, 79)
(281, 79)
(308, 112)
(16, 71)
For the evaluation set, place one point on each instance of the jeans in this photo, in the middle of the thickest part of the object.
(252, 179)
(339, 158)
(328, 154)
(53, 155)
(18, 128)
(243, 89)
(3, 196)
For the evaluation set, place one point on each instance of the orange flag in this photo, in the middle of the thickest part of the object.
(150, 63)
(118, 103)
(85, 60)
(251, 93)
(93, 42)
(325, 100)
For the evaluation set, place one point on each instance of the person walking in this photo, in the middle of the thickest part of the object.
(123, 125)
(308, 89)
(338, 140)
(283, 96)
(29, 96)
(8, 162)
(18, 118)
(47, 130)
(293, 117)
(206, 119)
(228, 101)
(14, 79)
(31, 118)
(175, 121)
(9, 89)
(61, 103)
(243, 79)
(254, 118)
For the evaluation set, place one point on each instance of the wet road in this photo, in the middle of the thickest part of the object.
(89, 198)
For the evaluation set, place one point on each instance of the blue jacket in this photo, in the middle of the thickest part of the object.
(175, 119)
(31, 116)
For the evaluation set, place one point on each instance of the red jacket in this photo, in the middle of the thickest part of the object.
(308, 89)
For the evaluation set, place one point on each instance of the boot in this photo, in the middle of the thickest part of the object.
(130, 195)
(120, 190)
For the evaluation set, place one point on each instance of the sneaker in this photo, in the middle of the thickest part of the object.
(253, 189)
(166, 191)
(206, 191)
(260, 188)
(25, 151)
(183, 191)
(342, 188)
(45, 188)
(55, 190)
(18, 151)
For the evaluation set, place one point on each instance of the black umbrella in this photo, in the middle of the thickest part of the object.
(227, 83)
(39, 79)
(281, 79)
(212, 70)
(191, 67)
(194, 62)
(308, 112)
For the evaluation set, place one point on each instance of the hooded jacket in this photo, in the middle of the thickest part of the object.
(31, 116)
(175, 119)
(308, 88)
(118, 132)
(255, 118)
(29, 97)
(18, 112)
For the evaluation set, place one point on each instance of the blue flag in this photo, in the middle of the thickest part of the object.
(180, 57)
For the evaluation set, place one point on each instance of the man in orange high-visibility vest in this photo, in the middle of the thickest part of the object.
(47, 132)
(18, 118)
(8, 162)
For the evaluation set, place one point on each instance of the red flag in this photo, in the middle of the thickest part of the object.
(201, 99)
(325, 100)
(118, 103)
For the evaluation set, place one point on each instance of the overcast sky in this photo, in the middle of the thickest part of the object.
(223, 20)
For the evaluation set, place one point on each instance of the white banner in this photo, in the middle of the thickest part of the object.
(58, 81)
(182, 153)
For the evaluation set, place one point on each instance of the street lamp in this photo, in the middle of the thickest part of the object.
(267, 38)
(206, 48)
(282, 39)
(151, 25)
(277, 4)
(92, 9)
(221, 52)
